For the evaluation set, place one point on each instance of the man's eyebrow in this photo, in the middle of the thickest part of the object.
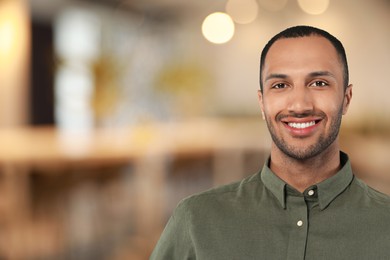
(276, 76)
(321, 73)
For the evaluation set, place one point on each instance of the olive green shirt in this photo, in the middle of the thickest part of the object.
(262, 217)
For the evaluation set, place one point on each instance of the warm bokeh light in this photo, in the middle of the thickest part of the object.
(274, 5)
(242, 11)
(314, 7)
(14, 60)
(13, 33)
(218, 28)
(7, 36)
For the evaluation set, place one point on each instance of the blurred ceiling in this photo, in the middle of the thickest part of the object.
(48, 9)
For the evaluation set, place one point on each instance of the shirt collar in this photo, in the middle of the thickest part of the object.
(328, 189)
(273, 183)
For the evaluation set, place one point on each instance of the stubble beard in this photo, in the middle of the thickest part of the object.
(302, 154)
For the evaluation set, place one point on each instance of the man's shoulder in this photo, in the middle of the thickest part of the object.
(225, 195)
(373, 196)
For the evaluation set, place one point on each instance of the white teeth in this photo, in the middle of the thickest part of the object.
(302, 125)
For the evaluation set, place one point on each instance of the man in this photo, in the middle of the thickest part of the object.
(305, 203)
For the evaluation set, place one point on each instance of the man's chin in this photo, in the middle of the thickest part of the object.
(300, 153)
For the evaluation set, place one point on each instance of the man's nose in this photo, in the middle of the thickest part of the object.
(300, 100)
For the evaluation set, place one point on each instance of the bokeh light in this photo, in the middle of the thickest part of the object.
(13, 32)
(314, 7)
(218, 28)
(242, 11)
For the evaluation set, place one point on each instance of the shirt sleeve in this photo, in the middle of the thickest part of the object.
(175, 241)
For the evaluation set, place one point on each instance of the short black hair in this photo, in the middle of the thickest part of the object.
(305, 31)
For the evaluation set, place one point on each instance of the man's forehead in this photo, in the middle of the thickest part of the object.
(302, 55)
(308, 47)
(306, 43)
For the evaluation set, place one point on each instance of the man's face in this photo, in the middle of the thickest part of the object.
(303, 96)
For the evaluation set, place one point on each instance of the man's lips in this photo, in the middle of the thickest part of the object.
(301, 126)
(301, 123)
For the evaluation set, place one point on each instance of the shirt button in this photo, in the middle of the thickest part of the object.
(300, 223)
(310, 192)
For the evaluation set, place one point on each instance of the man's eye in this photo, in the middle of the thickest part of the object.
(279, 86)
(319, 84)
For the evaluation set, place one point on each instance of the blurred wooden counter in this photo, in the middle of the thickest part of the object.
(148, 150)
(46, 145)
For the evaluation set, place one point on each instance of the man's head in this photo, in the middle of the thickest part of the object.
(305, 31)
(305, 91)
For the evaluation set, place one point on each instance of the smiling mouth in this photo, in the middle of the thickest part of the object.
(301, 125)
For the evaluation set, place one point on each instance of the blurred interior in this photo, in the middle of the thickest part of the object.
(112, 111)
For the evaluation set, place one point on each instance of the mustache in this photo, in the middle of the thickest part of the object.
(300, 115)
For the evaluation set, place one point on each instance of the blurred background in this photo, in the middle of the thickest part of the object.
(112, 111)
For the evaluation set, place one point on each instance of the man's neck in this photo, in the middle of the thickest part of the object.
(303, 174)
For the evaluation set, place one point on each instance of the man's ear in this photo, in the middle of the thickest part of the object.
(347, 98)
(260, 96)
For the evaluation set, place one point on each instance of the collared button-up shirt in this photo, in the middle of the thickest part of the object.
(262, 217)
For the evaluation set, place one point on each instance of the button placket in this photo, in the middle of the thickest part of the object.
(298, 233)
